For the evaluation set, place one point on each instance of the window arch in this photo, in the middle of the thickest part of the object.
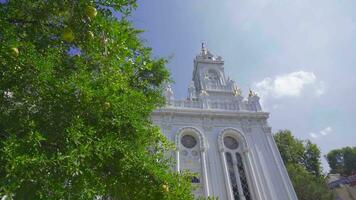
(232, 146)
(191, 157)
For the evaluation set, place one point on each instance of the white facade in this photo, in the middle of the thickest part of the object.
(222, 138)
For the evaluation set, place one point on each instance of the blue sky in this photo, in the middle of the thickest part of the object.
(299, 55)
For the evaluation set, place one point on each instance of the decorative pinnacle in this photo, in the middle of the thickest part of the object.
(251, 93)
(203, 48)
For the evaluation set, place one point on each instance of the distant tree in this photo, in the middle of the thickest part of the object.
(342, 161)
(77, 87)
(295, 151)
(311, 158)
(302, 160)
(306, 185)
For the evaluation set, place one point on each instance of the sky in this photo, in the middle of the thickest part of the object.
(298, 55)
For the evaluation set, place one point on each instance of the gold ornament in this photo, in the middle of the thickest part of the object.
(91, 12)
(15, 51)
(68, 34)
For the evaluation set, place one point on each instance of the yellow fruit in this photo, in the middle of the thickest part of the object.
(90, 35)
(107, 105)
(68, 34)
(14, 51)
(91, 12)
(165, 188)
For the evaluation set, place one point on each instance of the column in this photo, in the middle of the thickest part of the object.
(177, 160)
(205, 174)
(254, 188)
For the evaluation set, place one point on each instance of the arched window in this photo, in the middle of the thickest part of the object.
(232, 175)
(191, 157)
(213, 78)
(236, 173)
(243, 177)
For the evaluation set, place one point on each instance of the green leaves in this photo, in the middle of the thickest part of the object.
(302, 160)
(298, 152)
(78, 126)
(306, 185)
(342, 161)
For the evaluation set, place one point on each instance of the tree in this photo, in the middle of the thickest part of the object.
(302, 160)
(299, 152)
(342, 161)
(311, 158)
(306, 185)
(77, 87)
(291, 149)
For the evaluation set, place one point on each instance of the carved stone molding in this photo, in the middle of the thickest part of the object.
(194, 131)
(233, 132)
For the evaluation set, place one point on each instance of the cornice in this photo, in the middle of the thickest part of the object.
(209, 112)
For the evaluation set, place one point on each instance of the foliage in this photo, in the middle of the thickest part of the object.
(302, 160)
(77, 87)
(342, 161)
(306, 185)
(299, 152)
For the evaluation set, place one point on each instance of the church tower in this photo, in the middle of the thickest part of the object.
(223, 138)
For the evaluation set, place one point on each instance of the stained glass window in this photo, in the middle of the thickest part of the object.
(230, 142)
(188, 141)
(243, 178)
(230, 167)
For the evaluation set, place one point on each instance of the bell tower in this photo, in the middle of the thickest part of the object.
(209, 76)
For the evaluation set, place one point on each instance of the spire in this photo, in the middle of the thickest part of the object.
(203, 48)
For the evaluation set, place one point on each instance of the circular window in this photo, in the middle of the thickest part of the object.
(230, 142)
(188, 141)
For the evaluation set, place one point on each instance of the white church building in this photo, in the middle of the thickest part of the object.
(223, 138)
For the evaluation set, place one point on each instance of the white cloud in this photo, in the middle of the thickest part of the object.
(313, 135)
(324, 132)
(289, 85)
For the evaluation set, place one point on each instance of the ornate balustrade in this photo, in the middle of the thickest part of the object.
(187, 104)
(209, 104)
(225, 88)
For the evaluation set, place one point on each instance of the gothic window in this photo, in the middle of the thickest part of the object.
(243, 178)
(230, 167)
(235, 168)
(190, 159)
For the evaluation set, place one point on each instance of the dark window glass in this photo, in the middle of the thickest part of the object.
(230, 142)
(243, 178)
(188, 141)
(195, 179)
(230, 167)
